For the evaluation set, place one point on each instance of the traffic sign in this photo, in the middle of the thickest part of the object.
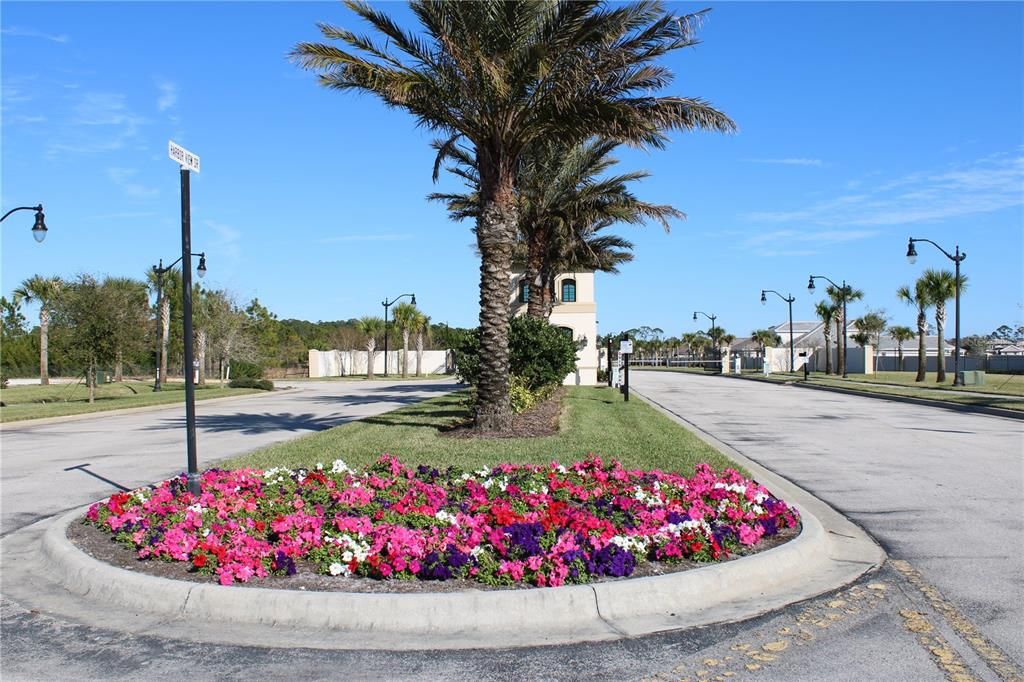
(183, 156)
(626, 346)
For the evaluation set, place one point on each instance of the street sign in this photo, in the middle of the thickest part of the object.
(183, 156)
(625, 346)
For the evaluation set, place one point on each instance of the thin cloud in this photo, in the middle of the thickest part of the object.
(99, 122)
(780, 237)
(225, 246)
(984, 185)
(126, 215)
(32, 33)
(366, 238)
(790, 162)
(124, 178)
(168, 95)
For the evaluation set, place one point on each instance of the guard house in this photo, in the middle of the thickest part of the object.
(574, 311)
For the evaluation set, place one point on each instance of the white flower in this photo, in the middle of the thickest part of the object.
(337, 569)
(340, 467)
(447, 517)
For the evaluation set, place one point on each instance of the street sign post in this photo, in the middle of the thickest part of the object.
(188, 162)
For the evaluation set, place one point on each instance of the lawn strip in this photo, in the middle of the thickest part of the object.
(60, 400)
(596, 420)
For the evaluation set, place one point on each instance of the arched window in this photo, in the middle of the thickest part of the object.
(567, 331)
(524, 292)
(568, 291)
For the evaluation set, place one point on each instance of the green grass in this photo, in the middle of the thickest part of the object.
(59, 400)
(594, 420)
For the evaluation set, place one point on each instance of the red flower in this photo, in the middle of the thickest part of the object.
(199, 560)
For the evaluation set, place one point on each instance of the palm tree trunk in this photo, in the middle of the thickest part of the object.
(44, 346)
(940, 327)
(537, 303)
(371, 345)
(119, 366)
(840, 354)
(165, 335)
(419, 354)
(922, 355)
(201, 355)
(495, 237)
(405, 353)
(899, 350)
(90, 380)
(828, 353)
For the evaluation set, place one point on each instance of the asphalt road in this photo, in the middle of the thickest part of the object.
(949, 512)
(49, 468)
(942, 490)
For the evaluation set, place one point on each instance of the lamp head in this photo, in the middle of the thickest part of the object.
(201, 270)
(414, 299)
(810, 283)
(39, 229)
(695, 317)
(763, 299)
(911, 252)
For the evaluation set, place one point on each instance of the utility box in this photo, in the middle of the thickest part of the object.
(972, 378)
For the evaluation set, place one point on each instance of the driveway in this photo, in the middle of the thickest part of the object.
(49, 468)
(940, 490)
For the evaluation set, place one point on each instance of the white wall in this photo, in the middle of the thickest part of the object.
(339, 363)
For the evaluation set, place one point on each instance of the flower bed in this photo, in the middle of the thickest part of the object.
(542, 525)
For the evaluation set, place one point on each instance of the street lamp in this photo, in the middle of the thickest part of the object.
(160, 271)
(912, 258)
(792, 364)
(846, 322)
(39, 229)
(387, 304)
(718, 351)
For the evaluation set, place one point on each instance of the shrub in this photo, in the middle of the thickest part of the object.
(240, 369)
(520, 395)
(539, 354)
(262, 384)
(4, 381)
(602, 375)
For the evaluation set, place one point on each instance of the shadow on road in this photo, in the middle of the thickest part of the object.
(255, 423)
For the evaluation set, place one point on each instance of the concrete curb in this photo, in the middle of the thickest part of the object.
(26, 423)
(955, 407)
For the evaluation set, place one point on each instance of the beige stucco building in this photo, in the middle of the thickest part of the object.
(575, 310)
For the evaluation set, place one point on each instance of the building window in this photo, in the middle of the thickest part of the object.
(524, 292)
(568, 291)
(567, 331)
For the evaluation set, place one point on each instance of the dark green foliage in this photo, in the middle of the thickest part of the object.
(539, 353)
(241, 369)
(262, 384)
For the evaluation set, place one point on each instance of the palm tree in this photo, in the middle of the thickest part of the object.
(764, 338)
(919, 298)
(900, 335)
(44, 291)
(870, 326)
(421, 327)
(405, 317)
(167, 287)
(563, 198)
(826, 312)
(370, 327)
(941, 286)
(501, 76)
(839, 296)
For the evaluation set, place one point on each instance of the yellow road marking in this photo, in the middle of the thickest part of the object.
(993, 656)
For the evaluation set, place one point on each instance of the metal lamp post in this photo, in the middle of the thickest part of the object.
(846, 321)
(39, 229)
(387, 304)
(718, 351)
(160, 271)
(912, 257)
(792, 364)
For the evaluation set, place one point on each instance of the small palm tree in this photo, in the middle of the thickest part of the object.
(919, 298)
(44, 291)
(900, 335)
(421, 327)
(840, 295)
(167, 288)
(502, 76)
(764, 338)
(826, 312)
(941, 286)
(870, 327)
(405, 317)
(370, 327)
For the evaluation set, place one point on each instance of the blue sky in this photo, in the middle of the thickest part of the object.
(861, 124)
